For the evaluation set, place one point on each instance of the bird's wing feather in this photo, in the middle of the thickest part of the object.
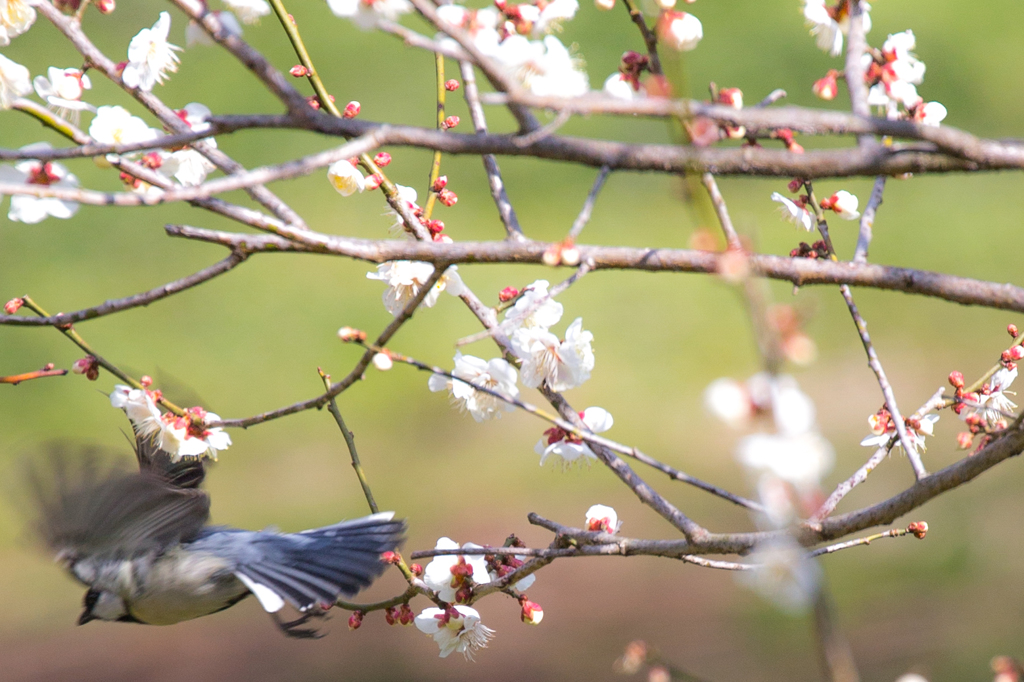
(87, 511)
(187, 472)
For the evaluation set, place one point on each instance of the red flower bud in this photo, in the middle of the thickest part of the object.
(795, 184)
(350, 334)
(440, 183)
(355, 620)
(13, 305)
(389, 615)
(449, 198)
(1017, 353)
(451, 85)
(416, 569)
(918, 528)
(1011, 329)
(105, 6)
(298, 71)
(382, 159)
(313, 102)
(351, 110)
(450, 122)
(956, 379)
(532, 613)
(405, 614)
(84, 365)
(507, 294)
(390, 557)
(964, 440)
(372, 182)
(826, 88)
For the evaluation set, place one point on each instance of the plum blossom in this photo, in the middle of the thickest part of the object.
(538, 21)
(448, 573)
(603, 518)
(457, 629)
(800, 459)
(930, 113)
(990, 406)
(150, 56)
(569, 448)
(620, 86)
(405, 278)
(561, 364)
(408, 196)
(114, 125)
(829, 24)
(16, 17)
(794, 212)
(196, 35)
(63, 91)
(844, 204)
(188, 437)
(187, 166)
(535, 308)
(366, 14)
(31, 209)
(140, 406)
(883, 428)
(249, 11)
(480, 24)
(14, 81)
(496, 374)
(345, 178)
(544, 68)
(680, 30)
(783, 574)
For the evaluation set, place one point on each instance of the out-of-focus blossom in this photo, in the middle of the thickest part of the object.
(63, 91)
(16, 17)
(619, 86)
(799, 459)
(32, 209)
(544, 68)
(844, 204)
(405, 278)
(150, 56)
(680, 30)
(457, 629)
(784, 574)
(829, 24)
(196, 35)
(366, 14)
(249, 11)
(569, 448)
(495, 374)
(14, 81)
(794, 213)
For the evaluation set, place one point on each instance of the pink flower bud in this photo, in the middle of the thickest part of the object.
(919, 529)
(956, 379)
(795, 184)
(964, 440)
(532, 613)
(372, 182)
(732, 97)
(350, 334)
(435, 227)
(1011, 329)
(507, 294)
(83, 365)
(405, 614)
(13, 305)
(390, 557)
(382, 159)
(1017, 353)
(416, 569)
(351, 110)
(105, 6)
(298, 71)
(389, 615)
(440, 183)
(313, 102)
(451, 85)
(827, 88)
(450, 122)
(447, 197)
(355, 620)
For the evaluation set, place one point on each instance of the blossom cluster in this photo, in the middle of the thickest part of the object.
(181, 436)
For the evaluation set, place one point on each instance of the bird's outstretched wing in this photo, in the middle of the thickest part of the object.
(187, 472)
(86, 510)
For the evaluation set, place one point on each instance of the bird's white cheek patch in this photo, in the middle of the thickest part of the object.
(269, 600)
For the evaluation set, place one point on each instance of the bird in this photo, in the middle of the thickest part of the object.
(141, 542)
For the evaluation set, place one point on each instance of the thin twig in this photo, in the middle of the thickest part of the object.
(731, 238)
(15, 379)
(350, 441)
(588, 206)
(867, 221)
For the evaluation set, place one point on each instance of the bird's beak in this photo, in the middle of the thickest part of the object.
(86, 617)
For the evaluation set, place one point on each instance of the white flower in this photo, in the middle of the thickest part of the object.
(845, 205)
(186, 436)
(829, 29)
(680, 30)
(903, 62)
(551, 17)
(196, 35)
(407, 195)
(14, 81)
(729, 400)
(366, 14)
(345, 178)
(545, 68)
(883, 429)
(603, 518)
(31, 209)
(801, 460)
(63, 91)
(187, 166)
(150, 56)
(569, 448)
(405, 278)
(784, 574)
(562, 364)
(440, 576)
(930, 114)
(534, 308)
(619, 87)
(140, 407)
(495, 374)
(458, 629)
(16, 16)
(114, 125)
(798, 215)
(249, 11)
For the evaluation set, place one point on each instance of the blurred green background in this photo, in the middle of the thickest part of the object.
(252, 340)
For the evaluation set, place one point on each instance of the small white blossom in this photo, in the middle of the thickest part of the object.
(931, 114)
(619, 87)
(383, 362)
(798, 215)
(495, 374)
(114, 125)
(366, 14)
(845, 205)
(31, 209)
(438, 573)
(534, 308)
(405, 278)
(568, 448)
(187, 437)
(187, 166)
(140, 407)
(603, 518)
(150, 56)
(784, 574)
(458, 629)
(544, 68)
(730, 401)
(562, 364)
(16, 16)
(406, 195)
(345, 178)
(14, 81)
(883, 429)
(63, 91)
(680, 30)
(551, 17)
(249, 11)
(828, 25)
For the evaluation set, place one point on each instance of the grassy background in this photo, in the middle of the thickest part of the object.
(251, 341)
